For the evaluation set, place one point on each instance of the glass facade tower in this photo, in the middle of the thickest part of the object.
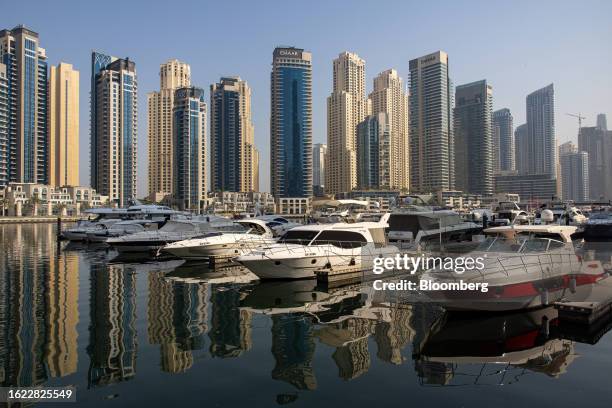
(291, 123)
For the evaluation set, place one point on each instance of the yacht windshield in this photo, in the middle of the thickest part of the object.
(298, 237)
(500, 244)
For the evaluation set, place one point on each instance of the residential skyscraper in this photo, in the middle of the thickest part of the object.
(347, 106)
(173, 74)
(4, 127)
(602, 121)
(520, 149)
(431, 127)
(291, 123)
(99, 62)
(503, 138)
(574, 173)
(390, 97)
(26, 70)
(115, 136)
(189, 140)
(473, 138)
(234, 159)
(319, 154)
(598, 144)
(374, 152)
(63, 126)
(541, 139)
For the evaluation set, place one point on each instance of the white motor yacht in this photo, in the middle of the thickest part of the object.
(524, 266)
(256, 233)
(279, 225)
(172, 231)
(303, 250)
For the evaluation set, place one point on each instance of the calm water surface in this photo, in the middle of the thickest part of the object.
(138, 331)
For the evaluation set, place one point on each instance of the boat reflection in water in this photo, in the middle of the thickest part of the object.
(81, 315)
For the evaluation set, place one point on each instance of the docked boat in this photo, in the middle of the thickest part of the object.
(172, 231)
(598, 228)
(102, 232)
(522, 267)
(563, 213)
(255, 233)
(508, 212)
(101, 216)
(303, 250)
(416, 227)
(279, 225)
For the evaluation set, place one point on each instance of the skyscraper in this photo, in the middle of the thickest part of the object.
(189, 140)
(602, 121)
(503, 136)
(374, 152)
(26, 70)
(319, 154)
(521, 149)
(99, 62)
(291, 123)
(598, 144)
(63, 126)
(473, 138)
(390, 97)
(541, 148)
(4, 127)
(172, 75)
(234, 158)
(431, 128)
(346, 108)
(574, 173)
(115, 135)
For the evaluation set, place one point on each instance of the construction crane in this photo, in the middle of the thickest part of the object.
(580, 117)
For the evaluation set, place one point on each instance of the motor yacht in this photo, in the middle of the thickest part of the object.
(255, 233)
(303, 250)
(101, 216)
(279, 225)
(508, 212)
(172, 231)
(598, 228)
(416, 227)
(102, 231)
(523, 266)
(563, 213)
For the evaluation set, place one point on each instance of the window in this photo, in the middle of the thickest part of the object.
(298, 237)
(341, 239)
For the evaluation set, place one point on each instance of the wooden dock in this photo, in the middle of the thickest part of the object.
(223, 261)
(34, 220)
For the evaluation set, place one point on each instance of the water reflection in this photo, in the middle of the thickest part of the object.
(191, 316)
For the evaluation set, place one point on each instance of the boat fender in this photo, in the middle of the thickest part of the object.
(572, 284)
(544, 298)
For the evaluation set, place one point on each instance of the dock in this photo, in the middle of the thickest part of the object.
(222, 261)
(598, 306)
(34, 220)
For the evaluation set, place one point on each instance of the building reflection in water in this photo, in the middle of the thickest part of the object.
(293, 348)
(23, 307)
(63, 315)
(177, 320)
(112, 333)
(230, 332)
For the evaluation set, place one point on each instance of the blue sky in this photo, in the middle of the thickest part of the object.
(518, 46)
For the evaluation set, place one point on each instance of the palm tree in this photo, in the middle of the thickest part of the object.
(4, 203)
(35, 201)
(60, 207)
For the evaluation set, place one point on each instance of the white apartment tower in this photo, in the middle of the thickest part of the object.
(347, 106)
(173, 74)
(390, 97)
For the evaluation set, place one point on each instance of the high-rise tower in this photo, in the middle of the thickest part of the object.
(173, 74)
(431, 127)
(234, 158)
(291, 123)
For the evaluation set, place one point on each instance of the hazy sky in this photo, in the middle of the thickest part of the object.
(518, 46)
